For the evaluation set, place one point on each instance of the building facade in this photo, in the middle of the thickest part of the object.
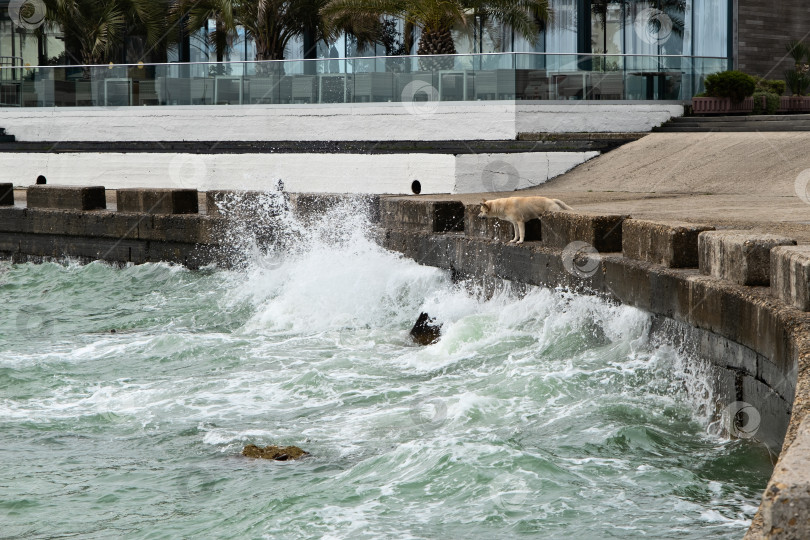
(749, 35)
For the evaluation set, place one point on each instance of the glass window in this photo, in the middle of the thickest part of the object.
(562, 32)
(710, 28)
(606, 26)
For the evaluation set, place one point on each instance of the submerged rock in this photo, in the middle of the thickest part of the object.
(277, 453)
(424, 332)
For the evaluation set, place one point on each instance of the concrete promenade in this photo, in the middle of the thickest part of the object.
(732, 180)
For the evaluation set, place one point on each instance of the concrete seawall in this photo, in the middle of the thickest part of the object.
(754, 339)
(738, 301)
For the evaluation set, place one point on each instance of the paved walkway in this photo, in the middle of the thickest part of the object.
(730, 180)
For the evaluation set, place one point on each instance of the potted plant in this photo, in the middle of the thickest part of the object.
(726, 92)
(798, 78)
(768, 96)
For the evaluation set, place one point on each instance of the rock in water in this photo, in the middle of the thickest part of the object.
(424, 332)
(277, 453)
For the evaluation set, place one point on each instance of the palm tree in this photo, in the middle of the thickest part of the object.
(273, 23)
(195, 14)
(437, 18)
(96, 28)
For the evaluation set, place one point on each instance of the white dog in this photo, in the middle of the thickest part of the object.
(519, 210)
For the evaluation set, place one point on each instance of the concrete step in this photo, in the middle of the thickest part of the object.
(734, 129)
(791, 122)
(746, 118)
(751, 125)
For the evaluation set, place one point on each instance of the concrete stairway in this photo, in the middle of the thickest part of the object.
(787, 122)
(5, 137)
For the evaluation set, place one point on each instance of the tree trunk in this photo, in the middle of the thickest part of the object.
(221, 38)
(436, 42)
(407, 39)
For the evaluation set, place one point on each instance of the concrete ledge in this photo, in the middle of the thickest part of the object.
(42, 247)
(157, 201)
(790, 275)
(6, 194)
(315, 205)
(601, 231)
(422, 215)
(785, 505)
(410, 121)
(496, 229)
(189, 228)
(249, 204)
(66, 198)
(671, 244)
(739, 256)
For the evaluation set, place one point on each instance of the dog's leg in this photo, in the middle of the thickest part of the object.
(514, 228)
(522, 229)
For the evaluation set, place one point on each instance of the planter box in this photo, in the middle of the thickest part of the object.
(712, 105)
(794, 104)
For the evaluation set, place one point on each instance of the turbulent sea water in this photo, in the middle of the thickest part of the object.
(544, 415)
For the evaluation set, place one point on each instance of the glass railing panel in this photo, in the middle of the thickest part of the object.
(468, 77)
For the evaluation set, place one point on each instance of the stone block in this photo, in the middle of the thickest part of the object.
(422, 215)
(6, 194)
(496, 229)
(790, 275)
(672, 244)
(315, 205)
(157, 201)
(739, 256)
(13, 220)
(601, 231)
(66, 197)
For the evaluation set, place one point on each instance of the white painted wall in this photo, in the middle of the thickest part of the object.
(507, 172)
(430, 121)
(590, 117)
(314, 173)
(334, 122)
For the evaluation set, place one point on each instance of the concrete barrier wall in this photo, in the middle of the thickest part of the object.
(755, 339)
(430, 121)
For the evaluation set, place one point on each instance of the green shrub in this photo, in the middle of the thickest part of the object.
(774, 86)
(731, 84)
(797, 50)
(798, 81)
(771, 102)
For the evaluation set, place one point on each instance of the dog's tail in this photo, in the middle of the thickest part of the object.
(562, 204)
